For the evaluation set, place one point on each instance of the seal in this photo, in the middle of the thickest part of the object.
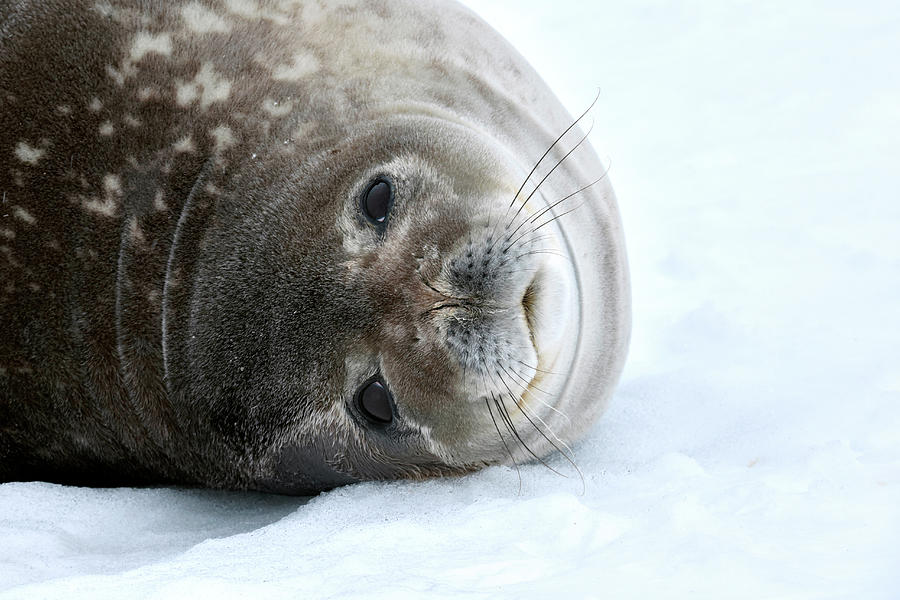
(289, 245)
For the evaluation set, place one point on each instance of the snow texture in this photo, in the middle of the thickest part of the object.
(752, 449)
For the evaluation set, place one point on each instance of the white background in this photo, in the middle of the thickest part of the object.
(752, 449)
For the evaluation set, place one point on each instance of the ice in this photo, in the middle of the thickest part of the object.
(752, 449)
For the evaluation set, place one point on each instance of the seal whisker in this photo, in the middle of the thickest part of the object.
(507, 422)
(513, 396)
(527, 390)
(526, 386)
(548, 174)
(569, 455)
(521, 406)
(555, 217)
(547, 151)
(508, 418)
(533, 368)
(508, 451)
(543, 237)
(503, 413)
(559, 216)
(554, 204)
(571, 459)
(536, 398)
(578, 191)
(530, 252)
(532, 240)
(525, 407)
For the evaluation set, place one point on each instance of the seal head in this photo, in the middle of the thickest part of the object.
(295, 254)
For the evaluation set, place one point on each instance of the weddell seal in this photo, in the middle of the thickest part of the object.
(289, 245)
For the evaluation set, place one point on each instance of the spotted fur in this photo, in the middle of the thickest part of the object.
(187, 291)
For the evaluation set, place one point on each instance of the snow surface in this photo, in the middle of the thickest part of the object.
(753, 447)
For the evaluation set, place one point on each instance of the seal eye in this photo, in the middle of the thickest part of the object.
(376, 202)
(374, 401)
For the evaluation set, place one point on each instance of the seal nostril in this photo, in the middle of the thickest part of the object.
(529, 298)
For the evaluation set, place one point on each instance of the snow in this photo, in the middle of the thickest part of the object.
(752, 449)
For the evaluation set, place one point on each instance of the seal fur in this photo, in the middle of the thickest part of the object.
(189, 294)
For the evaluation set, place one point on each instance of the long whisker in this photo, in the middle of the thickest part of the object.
(578, 191)
(538, 429)
(508, 451)
(554, 205)
(541, 237)
(559, 216)
(521, 441)
(570, 456)
(544, 155)
(548, 174)
(533, 368)
(507, 419)
(521, 407)
(571, 452)
(494, 421)
(549, 208)
(527, 390)
(525, 384)
(570, 460)
(510, 259)
(556, 141)
(549, 407)
(555, 217)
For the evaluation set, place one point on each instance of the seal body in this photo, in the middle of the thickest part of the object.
(195, 286)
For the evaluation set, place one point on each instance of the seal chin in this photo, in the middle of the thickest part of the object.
(300, 470)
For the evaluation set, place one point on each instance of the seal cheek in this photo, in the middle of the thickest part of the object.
(303, 471)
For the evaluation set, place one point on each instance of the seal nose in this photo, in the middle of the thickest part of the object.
(489, 269)
(529, 303)
(481, 299)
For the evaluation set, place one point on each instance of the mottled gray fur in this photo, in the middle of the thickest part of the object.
(189, 294)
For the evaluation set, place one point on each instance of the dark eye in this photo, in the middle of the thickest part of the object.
(374, 401)
(376, 202)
